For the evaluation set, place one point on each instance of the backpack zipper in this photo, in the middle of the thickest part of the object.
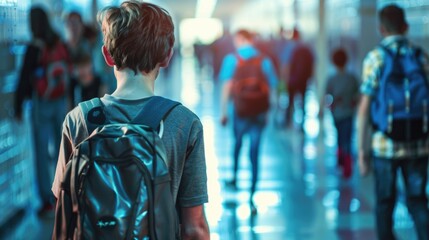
(390, 116)
(407, 107)
(425, 116)
(407, 95)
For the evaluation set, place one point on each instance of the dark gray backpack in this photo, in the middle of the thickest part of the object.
(117, 183)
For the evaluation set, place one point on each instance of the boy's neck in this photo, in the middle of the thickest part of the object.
(341, 69)
(391, 34)
(131, 86)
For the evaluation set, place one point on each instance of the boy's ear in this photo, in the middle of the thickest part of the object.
(382, 30)
(107, 57)
(167, 59)
(404, 28)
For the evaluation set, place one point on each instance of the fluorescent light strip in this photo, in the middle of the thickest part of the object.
(205, 8)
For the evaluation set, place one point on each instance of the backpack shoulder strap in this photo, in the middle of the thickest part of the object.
(93, 113)
(386, 50)
(154, 111)
(418, 51)
(255, 60)
(240, 60)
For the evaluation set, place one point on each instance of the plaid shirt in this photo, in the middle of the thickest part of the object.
(382, 146)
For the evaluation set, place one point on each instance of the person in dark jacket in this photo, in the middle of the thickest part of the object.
(48, 98)
(297, 72)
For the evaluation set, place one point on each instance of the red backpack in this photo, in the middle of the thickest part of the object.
(250, 88)
(52, 75)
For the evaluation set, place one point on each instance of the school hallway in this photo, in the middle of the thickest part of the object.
(300, 193)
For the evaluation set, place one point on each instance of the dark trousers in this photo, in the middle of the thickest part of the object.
(253, 127)
(292, 93)
(344, 138)
(48, 116)
(344, 134)
(414, 172)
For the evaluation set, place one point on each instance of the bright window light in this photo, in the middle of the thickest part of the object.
(200, 31)
(204, 31)
(8, 3)
(205, 8)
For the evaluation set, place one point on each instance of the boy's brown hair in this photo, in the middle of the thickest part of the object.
(137, 35)
(339, 57)
(245, 34)
(392, 18)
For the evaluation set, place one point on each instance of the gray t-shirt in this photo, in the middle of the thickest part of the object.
(182, 137)
(344, 88)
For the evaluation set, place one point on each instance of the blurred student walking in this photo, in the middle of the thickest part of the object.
(44, 77)
(395, 96)
(343, 86)
(297, 63)
(248, 77)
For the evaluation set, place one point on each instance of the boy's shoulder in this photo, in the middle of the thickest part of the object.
(73, 117)
(74, 126)
(184, 119)
(374, 59)
(376, 53)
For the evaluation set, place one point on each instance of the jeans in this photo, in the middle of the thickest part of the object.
(48, 116)
(414, 171)
(253, 127)
(344, 134)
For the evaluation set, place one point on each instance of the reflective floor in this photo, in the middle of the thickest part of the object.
(300, 195)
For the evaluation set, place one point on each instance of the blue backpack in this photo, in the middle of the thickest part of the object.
(400, 107)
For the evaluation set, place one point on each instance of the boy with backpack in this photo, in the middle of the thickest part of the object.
(343, 86)
(248, 77)
(395, 97)
(129, 160)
